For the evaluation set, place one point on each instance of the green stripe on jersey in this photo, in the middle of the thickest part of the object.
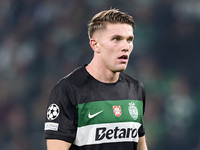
(110, 111)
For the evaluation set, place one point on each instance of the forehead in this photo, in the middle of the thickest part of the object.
(119, 29)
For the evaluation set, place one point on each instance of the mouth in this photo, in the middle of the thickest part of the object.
(123, 58)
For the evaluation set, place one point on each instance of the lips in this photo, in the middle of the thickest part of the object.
(123, 57)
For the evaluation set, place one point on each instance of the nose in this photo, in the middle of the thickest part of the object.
(126, 46)
(125, 50)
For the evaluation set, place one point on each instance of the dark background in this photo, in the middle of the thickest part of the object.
(43, 40)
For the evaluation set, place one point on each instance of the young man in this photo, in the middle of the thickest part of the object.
(97, 106)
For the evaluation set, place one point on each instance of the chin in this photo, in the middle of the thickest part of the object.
(120, 69)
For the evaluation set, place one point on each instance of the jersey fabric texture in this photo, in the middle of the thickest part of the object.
(96, 116)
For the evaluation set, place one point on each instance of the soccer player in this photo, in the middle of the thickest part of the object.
(98, 106)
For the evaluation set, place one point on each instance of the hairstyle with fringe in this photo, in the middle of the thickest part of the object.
(108, 16)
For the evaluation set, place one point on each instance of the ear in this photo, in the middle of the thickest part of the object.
(94, 44)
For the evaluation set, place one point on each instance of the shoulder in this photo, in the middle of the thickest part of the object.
(75, 79)
(130, 79)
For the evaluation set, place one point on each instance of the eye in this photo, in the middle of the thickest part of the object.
(130, 39)
(116, 39)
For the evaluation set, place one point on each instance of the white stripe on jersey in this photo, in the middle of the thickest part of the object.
(107, 133)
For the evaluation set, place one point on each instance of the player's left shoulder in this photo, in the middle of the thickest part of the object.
(129, 79)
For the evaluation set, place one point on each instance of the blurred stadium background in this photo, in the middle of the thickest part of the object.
(44, 40)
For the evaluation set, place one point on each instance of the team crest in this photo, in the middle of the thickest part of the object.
(133, 111)
(117, 110)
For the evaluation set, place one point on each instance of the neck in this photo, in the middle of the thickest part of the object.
(102, 74)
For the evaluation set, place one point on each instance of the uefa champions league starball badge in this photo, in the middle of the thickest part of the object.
(52, 112)
(133, 111)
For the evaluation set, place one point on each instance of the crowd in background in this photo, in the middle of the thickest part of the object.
(43, 40)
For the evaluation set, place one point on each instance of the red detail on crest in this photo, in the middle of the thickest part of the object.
(117, 110)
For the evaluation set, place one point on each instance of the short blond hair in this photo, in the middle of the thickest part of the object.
(108, 16)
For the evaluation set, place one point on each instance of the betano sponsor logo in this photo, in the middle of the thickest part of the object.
(115, 133)
(107, 133)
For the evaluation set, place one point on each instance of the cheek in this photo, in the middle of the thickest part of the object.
(109, 56)
(109, 50)
(131, 46)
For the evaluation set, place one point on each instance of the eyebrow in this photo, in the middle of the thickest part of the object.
(119, 36)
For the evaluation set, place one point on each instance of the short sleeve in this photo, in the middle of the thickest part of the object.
(61, 116)
(141, 131)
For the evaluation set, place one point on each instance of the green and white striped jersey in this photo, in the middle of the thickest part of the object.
(96, 116)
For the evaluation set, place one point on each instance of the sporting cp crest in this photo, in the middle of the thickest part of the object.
(133, 111)
(117, 110)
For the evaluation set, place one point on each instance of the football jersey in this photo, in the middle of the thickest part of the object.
(96, 116)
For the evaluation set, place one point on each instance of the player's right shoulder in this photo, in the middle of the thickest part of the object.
(71, 76)
(75, 79)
